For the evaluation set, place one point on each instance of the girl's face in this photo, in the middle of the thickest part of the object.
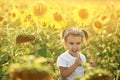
(73, 43)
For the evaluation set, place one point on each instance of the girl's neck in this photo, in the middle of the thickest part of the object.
(74, 55)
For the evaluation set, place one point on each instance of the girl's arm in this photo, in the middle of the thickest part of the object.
(65, 72)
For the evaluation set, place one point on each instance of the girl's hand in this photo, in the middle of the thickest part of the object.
(92, 64)
(78, 61)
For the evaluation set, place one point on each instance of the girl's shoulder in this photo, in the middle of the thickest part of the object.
(82, 55)
(64, 54)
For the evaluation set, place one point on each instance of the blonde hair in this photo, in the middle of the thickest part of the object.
(74, 31)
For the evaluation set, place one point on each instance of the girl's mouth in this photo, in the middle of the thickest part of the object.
(74, 51)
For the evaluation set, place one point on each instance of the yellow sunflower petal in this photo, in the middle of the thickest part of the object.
(57, 20)
(82, 16)
(57, 17)
(14, 14)
(97, 26)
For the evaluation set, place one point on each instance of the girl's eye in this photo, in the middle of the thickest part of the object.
(71, 43)
(78, 43)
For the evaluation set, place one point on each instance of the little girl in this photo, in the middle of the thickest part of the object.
(70, 62)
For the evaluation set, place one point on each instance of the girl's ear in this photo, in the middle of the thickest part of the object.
(64, 43)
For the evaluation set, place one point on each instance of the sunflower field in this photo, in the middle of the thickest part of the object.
(30, 35)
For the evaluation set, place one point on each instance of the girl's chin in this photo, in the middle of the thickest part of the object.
(74, 53)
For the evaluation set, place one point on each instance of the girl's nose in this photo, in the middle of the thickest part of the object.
(74, 47)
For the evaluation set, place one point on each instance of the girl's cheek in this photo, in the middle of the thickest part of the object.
(70, 46)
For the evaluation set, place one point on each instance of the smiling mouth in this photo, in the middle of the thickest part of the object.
(74, 51)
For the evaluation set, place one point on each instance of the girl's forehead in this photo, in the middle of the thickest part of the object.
(74, 38)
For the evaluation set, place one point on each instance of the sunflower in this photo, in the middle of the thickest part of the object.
(27, 20)
(14, 14)
(24, 38)
(1, 18)
(82, 16)
(5, 22)
(114, 10)
(57, 20)
(118, 13)
(40, 11)
(97, 26)
(104, 18)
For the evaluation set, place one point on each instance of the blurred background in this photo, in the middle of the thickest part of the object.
(34, 27)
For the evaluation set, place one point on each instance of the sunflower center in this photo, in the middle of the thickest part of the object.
(13, 14)
(83, 14)
(104, 18)
(40, 9)
(98, 25)
(27, 17)
(57, 17)
(1, 18)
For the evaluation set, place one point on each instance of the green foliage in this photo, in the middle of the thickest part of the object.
(31, 63)
(96, 74)
(104, 48)
(105, 51)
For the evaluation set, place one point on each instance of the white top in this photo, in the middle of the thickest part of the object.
(67, 60)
